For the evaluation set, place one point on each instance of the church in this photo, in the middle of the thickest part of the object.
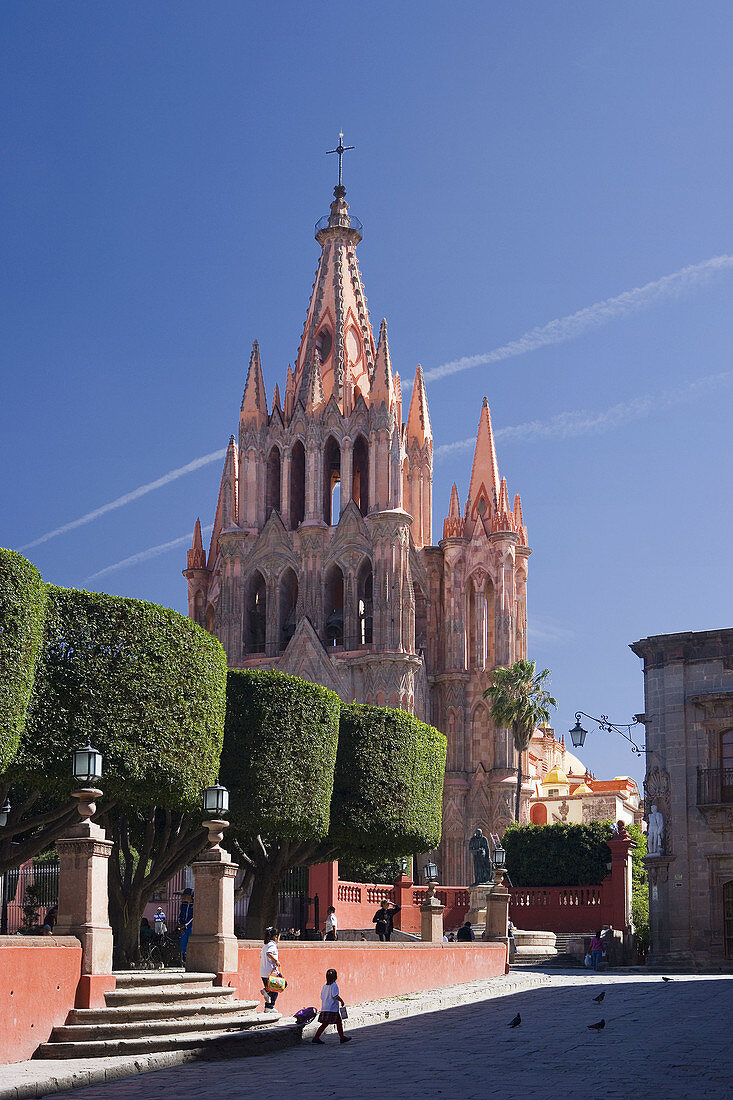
(322, 561)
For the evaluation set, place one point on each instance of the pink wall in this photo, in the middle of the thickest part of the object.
(561, 908)
(38, 980)
(369, 971)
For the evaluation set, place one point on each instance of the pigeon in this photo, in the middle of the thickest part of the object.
(600, 997)
(516, 1021)
(597, 1027)
(667, 979)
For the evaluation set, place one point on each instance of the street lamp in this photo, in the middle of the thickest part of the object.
(499, 858)
(86, 765)
(215, 800)
(578, 734)
(430, 872)
(5, 813)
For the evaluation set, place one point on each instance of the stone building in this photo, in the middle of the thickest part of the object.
(688, 697)
(564, 791)
(322, 562)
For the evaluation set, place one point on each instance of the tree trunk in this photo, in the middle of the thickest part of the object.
(263, 902)
(125, 922)
(519, 788)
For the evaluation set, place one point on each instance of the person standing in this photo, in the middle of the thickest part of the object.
(269, 964)
(185, 921)
(159, 923)
(596, 949)
(383, 919)
(331, 924)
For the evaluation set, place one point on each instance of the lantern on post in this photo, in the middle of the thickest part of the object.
(5, 813)
(215, 801)
(86, 765)
(430, 871)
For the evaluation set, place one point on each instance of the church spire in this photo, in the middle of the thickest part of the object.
(196, 555)
(484, 485)
(254, 401)
(454, 525)
(418, 419)
(383, 391)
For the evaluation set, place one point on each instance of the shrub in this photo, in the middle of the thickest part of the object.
(388, 788)
(279, 754)
(557, 855)
(144, 684)
(22, 611)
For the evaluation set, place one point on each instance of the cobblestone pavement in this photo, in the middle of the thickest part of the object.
(675, 1038)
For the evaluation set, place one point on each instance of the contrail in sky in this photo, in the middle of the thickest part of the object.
(127, 498)
(568, 328)
(151, 552)
(567, 425)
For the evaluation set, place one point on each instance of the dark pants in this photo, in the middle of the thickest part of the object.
(331, 935)
(385, 936)
(270, 997)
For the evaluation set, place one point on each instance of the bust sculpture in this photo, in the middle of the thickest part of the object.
(655, 833)
(483, 868)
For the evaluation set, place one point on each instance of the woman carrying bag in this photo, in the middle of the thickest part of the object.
(270, 972)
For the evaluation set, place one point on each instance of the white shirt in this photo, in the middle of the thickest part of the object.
(266, 965)
(329, 993)
(331, 924)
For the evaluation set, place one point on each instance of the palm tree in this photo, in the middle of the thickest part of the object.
(519, 702)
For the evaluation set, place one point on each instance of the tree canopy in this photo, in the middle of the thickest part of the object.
(22, 613)
(558, 855)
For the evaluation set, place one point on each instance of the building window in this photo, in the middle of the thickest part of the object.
(331, 482)
(324, 343)
(360, 475)
(334, 607)
(297, 485)
(553, 791)
(726, 766)
(272, 492)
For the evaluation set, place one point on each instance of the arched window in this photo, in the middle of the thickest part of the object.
(365, 604)
(333, 626)
(470, 625)
(297, 484)
(272, 492)
(331, 481)
(421, 620)
(360, 474)
(538, 814)
(726, 766)
(288, 606)
(255, 614)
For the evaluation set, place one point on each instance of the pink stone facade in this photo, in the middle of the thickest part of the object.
(322, 562)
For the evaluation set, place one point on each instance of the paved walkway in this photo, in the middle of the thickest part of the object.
(675, 1038)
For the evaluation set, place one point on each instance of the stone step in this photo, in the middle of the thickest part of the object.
(126, 979)
(170, 994)
(224, 1043)
(140, 1029)
(131, 1013)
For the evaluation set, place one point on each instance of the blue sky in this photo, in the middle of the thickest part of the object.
(515, 164)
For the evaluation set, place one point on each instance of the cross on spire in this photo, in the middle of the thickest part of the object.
(340, 149)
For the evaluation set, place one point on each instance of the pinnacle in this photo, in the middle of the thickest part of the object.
(383, 389)
(418, 420)
(254, 401)
(485, 471)
(314, 390)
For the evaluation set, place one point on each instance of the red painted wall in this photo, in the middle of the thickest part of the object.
(369, 971)
(38, 980)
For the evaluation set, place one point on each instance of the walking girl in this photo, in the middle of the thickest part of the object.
(331, 1005)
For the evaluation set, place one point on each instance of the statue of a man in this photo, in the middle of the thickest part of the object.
(655, 833)
(483, 868)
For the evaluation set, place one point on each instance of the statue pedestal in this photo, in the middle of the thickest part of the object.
(431, 918)
(477, 913)
(497, 911)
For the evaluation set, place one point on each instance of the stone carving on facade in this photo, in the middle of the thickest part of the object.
(655, 832)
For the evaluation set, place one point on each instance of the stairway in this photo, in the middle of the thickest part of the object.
(168, 1010)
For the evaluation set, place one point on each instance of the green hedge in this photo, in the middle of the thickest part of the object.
(557, 855)
(22, 612)
(145, 685)
(388, 791)
(279, 754)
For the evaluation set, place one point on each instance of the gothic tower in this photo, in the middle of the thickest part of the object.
(321, 561)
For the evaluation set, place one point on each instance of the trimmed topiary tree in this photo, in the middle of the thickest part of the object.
(388, 790)
(22, 612)
(557, 855)
(147, 687)
(278, 762)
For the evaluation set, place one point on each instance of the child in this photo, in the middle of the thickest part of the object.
(330, 1014)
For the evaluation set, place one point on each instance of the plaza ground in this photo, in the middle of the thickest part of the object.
(675, 1038)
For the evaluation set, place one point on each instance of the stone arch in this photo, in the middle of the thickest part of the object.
(333, 606)
(288, 603)
(360, 474)
(297, 484)
(331, 481)
(538, 814)
(255, 613)
(365, 603)
(273, 481)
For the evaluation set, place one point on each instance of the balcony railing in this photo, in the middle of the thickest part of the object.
(714, 785)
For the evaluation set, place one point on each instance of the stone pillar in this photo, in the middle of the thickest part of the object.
(431, 917)
(497, 911)
(621, 881)
(403, 898)
(84, 901)
(213, 948)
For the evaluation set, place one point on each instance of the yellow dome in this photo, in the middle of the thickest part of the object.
(583, 789)
(555, 778)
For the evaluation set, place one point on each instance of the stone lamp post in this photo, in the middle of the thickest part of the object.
(213, 948)
(497, 903)
(83, 902)
(431, 910)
